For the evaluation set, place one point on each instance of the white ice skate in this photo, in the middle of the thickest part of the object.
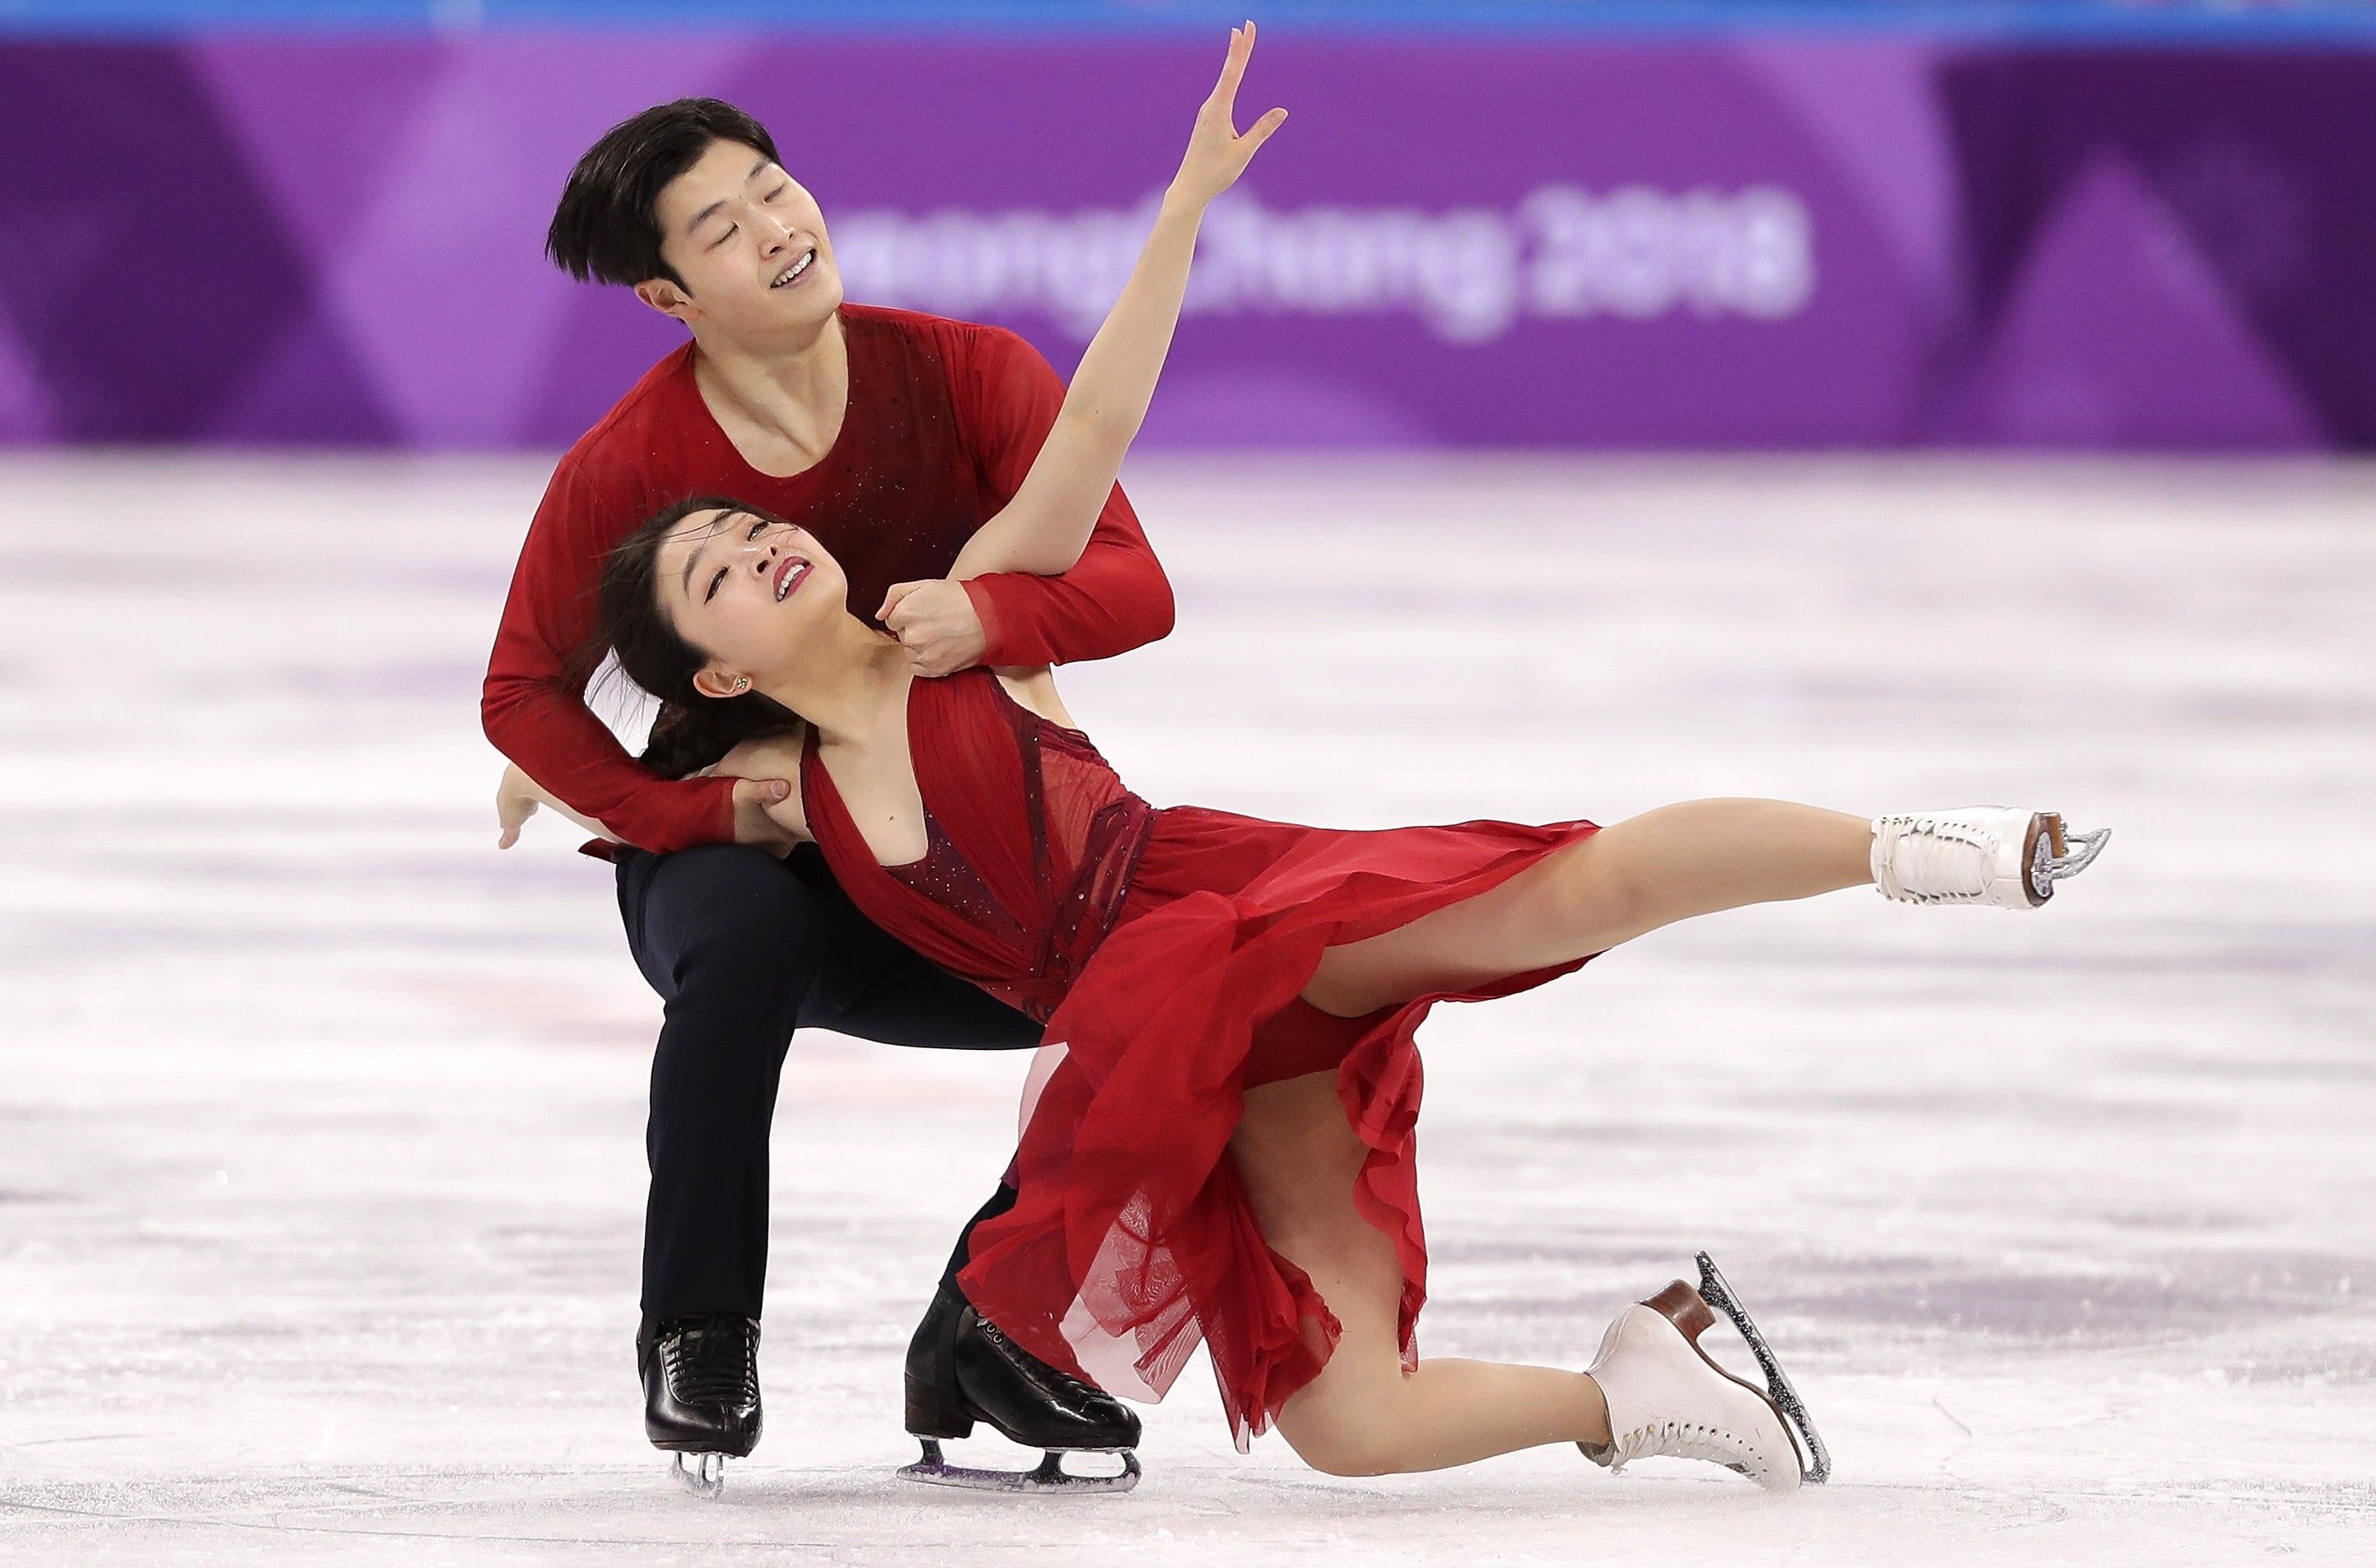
(1996, 855)
(1665, 1397)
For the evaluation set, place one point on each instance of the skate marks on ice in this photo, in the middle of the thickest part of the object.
(1528, 1515)
(323, 1121)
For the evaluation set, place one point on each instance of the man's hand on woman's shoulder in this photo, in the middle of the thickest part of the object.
(754, 821)
(767, 807)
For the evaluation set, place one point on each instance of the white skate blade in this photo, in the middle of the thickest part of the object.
(704, 1475)
(1718, 1293)
(1049, 1477)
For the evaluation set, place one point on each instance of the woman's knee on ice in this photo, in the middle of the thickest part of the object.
(1347, 1444)
(1356, 1419)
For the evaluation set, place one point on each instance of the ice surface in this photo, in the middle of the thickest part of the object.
(320, 1160)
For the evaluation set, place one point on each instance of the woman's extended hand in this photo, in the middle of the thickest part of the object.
(515, 801)
(1217, 154)
(935, 621)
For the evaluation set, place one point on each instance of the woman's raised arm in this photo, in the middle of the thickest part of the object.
(1043, 528)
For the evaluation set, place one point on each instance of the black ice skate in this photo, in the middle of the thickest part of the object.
(701, 1394)
(962, 1370)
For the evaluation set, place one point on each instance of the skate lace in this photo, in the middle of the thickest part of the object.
(1689, 1440)
(1936, 853)
(1038, 1368)
(713, 1363)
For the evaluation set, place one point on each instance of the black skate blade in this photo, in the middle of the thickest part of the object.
(1050, 1476)
(1718, 1293)
(704, 1476)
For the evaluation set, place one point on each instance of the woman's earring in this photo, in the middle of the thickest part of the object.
(741, 682)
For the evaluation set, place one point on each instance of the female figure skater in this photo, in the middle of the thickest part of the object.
(1218, 1140)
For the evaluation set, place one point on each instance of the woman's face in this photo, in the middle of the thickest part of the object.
(749, 592)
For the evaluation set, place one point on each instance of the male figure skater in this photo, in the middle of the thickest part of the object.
(892, 435)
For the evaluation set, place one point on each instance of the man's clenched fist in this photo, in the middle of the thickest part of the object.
(935, 621)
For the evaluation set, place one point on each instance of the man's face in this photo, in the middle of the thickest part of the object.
(749, 242)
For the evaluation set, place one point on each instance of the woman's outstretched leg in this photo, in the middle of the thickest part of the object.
(1363, 1416)
(1666, 865)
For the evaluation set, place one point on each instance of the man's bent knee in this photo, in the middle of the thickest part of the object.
(720, 876)
(733, 915)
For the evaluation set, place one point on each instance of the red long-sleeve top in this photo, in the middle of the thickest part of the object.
(945, 418)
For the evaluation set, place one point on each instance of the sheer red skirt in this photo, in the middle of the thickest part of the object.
(1132, 1240)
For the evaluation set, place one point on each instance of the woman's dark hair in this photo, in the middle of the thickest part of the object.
(604, 227)
(691, 730)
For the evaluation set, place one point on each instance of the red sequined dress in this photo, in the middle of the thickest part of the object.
(1164, 949)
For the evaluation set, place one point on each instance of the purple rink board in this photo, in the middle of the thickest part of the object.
(1554, 241)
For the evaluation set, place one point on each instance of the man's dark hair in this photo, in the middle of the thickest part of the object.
(604, 227)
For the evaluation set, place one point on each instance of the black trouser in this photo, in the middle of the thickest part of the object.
(744, 948)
